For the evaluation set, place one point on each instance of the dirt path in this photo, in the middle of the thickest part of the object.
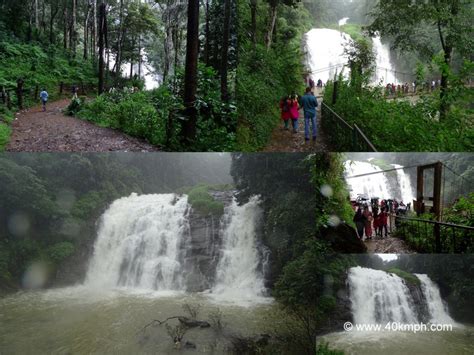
(387, 245)
(36, 131)
(287, 141)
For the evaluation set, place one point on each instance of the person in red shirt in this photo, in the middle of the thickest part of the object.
(368, 222)
(384, 222)
(294, 112)
(285, 111)
(376, 222)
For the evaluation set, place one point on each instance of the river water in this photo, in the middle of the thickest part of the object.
(458, 341)
(79, 320)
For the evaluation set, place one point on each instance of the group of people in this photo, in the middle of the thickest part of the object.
(375, 217)
(290, 106)
(319, 83)
(392, 88)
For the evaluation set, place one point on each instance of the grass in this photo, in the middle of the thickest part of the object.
(202, 201)
(409, 278)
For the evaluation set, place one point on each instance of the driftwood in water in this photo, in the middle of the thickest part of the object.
(187, 322)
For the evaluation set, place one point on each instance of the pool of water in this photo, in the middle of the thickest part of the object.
(79, 320)
(458, 341)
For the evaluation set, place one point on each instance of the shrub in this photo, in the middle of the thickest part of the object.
(410, 278)
(60, 251)
(203, 202)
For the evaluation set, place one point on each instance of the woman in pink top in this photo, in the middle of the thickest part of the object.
(294, 112)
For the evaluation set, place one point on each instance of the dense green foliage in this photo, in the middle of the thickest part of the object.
(417, 125)
(154, 115)
(203, 202)
(267, 73)
(409, 278)
(49, 201)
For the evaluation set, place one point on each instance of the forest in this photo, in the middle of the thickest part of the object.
(278, 54)
(162, 71)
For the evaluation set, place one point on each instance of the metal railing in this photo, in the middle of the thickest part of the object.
(432, 236)
(341, 135)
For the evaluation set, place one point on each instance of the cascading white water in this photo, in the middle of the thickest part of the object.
(384, 72)
(325, 50)
(139, 243)
(405, 184)
(437, 308)
(375, 185)
(239, 272)
(378, 297)
(325, 55)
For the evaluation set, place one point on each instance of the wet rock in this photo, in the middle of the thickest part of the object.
(193, 323)
(189, 345)
(343, 239)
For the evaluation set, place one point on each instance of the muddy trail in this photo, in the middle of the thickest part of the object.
(287, 141)
(52, 131)
(387, 245)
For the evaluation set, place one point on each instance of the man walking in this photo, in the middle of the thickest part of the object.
(44, 98)
(309, 104)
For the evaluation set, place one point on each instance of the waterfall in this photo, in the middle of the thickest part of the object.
(436, 306)
(325, 50)
(156, 242)
(405, 185)
(375, 185)
(378, 297)
(139, 243)
(239, 271)
(325, 55)
(385, 72)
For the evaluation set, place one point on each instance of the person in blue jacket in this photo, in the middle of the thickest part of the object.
(309, 104)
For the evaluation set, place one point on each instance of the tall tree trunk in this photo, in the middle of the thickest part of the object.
(73, 34)
(102, 33)
(36, 15)
(271, 24)
(86, 31)
(225, 51)
(94, 29)
(207, 35)
(253, 12)
(118, 61)
(66, 25)
(190, 73)
(54, 13)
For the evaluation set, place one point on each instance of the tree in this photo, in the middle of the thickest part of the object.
(102, 44)
(412, 23)
(225, 51)
(190, 75)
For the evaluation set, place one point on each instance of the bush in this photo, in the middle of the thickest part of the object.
(410, 278)
(5, 132)
(60, 251)
(203, 202)
(399, 125)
